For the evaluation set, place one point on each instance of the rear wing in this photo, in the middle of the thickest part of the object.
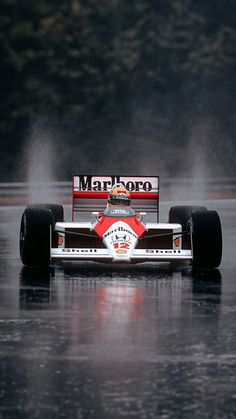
(90, 194)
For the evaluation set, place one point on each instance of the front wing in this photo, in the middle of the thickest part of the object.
(103, 255)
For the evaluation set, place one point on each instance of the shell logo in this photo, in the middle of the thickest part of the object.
(121, 251)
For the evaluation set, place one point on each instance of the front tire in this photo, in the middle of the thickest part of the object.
(180, 214)
(35, 236)
(206, 239)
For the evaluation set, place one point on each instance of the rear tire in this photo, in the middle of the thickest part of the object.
(181, 215)
(206, 238)
(56, 209)
(35, 242)
(58, 216)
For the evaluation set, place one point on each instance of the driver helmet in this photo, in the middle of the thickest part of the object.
(119, 196)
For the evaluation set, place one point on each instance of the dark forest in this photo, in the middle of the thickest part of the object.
(138, 86)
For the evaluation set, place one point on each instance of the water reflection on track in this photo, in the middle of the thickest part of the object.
(117, 287)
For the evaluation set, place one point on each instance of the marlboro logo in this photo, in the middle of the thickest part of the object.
(94, 183)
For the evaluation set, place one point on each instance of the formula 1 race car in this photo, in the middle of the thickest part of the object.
(119, 233)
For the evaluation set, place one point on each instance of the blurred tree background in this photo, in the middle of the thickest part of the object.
(138, 86)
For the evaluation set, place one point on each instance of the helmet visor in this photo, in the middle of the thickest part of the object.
(119, 200)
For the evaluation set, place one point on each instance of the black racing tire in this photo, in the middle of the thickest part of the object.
(206, 239)
(56, 209)
(180, 214)
(35, 242)
(58, 215)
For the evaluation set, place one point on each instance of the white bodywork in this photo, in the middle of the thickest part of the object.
(120, 244)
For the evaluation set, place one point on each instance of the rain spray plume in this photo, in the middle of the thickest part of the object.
(40, 165)
(194, 166)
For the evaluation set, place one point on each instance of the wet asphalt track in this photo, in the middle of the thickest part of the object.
(93, 342)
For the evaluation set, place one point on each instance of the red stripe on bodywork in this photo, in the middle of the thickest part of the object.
(90, 194)
(104, 194)
(144, 195)
(104, 223)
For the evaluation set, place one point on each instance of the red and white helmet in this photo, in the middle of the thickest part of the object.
(119, 195)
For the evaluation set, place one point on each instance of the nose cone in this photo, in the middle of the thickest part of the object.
(120, 241)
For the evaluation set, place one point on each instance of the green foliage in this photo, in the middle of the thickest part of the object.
(86, 62)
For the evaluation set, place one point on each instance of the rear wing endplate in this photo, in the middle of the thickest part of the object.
(90, 194)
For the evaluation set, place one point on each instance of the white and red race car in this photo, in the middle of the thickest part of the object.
(119, 234)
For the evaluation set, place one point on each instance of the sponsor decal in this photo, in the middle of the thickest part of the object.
(117, 232)
(121, 251)
(121, 243)
(118, 211)
(60, 240)
(177, 242)
(71, 250)
(94, 183)
(120, 237)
